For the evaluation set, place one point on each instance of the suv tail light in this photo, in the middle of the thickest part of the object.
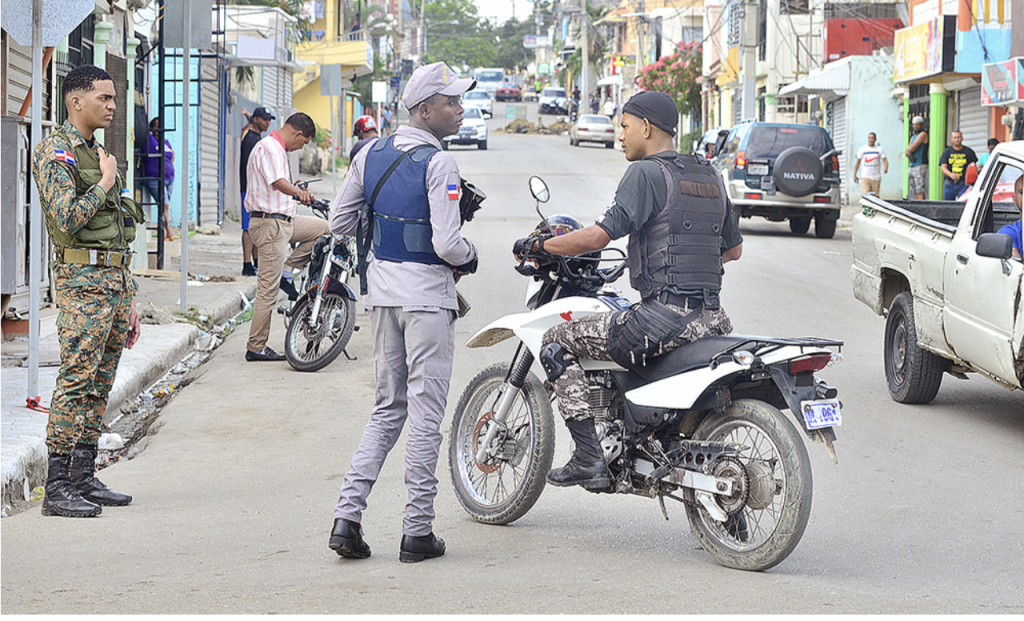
(835, 164)
(809, 364)
(821, 199)
(741, 160)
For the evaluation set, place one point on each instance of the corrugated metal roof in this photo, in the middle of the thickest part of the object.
(833, 77)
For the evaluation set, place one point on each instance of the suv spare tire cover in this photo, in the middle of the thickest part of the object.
(798, 171)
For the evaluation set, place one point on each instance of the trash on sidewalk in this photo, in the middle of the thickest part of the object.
(207, 342)
(110, 442)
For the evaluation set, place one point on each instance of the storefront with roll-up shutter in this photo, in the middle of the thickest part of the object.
(972, 119)
(840, 140)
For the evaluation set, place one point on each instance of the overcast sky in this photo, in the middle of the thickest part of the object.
(501, 10)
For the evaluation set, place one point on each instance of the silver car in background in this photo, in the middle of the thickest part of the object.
(479, 99)
(593, 128)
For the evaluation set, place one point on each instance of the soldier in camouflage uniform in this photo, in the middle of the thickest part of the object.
(91, 219)
(681, 230)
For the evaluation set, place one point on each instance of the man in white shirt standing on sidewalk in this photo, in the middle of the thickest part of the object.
(274, 224)
(413, 192)
(873, 156)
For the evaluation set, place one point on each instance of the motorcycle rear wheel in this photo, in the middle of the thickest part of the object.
(311, 350)
(500, 490)
(757, 539)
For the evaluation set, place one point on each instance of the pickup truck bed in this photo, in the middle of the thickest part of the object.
(944, 215)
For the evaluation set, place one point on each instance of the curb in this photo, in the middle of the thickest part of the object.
(146, 367)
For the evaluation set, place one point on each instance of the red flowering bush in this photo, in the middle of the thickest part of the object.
(676, 76)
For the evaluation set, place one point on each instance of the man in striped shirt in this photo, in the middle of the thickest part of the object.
(274, 224)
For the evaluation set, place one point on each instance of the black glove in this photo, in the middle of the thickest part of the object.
(522, 247)
(467, 268)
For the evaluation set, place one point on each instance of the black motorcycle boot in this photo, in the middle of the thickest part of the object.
(347, 539)
(61, 497)
(586, 467)
(416, 549)
(83, 477)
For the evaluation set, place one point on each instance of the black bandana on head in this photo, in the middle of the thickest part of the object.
(657, 108)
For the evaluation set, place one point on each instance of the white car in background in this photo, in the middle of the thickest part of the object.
(473, 131)
(479, 99)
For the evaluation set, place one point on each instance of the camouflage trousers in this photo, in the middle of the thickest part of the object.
(92, 329)
(588, 338)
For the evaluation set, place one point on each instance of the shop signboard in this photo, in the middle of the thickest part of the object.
(1002, 84)
(925, 49)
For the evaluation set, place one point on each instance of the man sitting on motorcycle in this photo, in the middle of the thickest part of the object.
(681, 230)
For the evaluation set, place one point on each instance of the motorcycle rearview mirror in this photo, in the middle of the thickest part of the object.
(539, 189)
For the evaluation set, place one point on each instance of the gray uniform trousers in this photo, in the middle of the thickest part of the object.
(413, 352)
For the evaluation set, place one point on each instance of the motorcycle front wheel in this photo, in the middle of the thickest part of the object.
(772, 520)
(505, 486)
(311, 349)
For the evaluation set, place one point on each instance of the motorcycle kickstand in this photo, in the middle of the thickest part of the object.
(347, 355)
(661, 503)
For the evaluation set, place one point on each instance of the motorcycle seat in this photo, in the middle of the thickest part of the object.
(684, 358)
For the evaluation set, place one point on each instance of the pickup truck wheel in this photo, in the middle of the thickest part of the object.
(913, 374)
(824, 228)
(800, 225)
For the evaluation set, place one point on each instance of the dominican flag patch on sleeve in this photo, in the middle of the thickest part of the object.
(453, 192)
(63, 156)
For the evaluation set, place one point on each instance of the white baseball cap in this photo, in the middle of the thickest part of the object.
(429, 80)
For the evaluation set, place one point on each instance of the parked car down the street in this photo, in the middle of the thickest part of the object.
(508, 91)
(473, 131)
(593, 128)
(782, 171)
(553, 101)
(479, 99)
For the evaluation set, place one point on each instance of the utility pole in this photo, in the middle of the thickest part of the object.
(749, 29)
(640, 38)
(585, 71)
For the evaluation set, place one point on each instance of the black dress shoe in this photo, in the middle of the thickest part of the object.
(416, 549)
(347, 539)
(289, 289)
(264, 355)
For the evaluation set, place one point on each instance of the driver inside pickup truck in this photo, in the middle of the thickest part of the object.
(1014, 230)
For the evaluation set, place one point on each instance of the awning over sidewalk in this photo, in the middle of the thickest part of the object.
(612, 80)
(829, 82)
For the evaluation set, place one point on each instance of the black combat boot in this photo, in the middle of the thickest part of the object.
(347, 539)
(61, 496)
(83, 477)
(416, 549)
(586, 467)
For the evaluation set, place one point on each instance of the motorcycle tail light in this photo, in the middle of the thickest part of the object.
(741, 160)
(809, 364)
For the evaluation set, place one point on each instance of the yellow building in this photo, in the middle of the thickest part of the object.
(329, 44)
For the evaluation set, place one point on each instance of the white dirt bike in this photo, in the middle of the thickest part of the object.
(700, 425)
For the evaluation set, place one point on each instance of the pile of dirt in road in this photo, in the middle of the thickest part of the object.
(555, 128)
(519, 126)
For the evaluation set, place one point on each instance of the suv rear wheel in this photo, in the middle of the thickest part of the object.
(800, 224)
(824, 227)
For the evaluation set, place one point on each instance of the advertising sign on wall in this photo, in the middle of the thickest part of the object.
(924, 49)
(1002, 83)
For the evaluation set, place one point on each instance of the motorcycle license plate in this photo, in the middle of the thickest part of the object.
(755, 170)
(823, 413)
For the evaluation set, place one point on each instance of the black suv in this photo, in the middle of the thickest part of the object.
(782, 171)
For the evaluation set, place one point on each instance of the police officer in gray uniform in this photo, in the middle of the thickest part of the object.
(408, 191)
(681, 230)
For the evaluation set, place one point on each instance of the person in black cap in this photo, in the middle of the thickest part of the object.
(681, 230)
(259, 122)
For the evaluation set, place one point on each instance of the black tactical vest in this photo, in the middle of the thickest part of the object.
(680, 248)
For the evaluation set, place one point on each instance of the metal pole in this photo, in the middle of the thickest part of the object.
(585, 73)
(186, 160)
(334, 147)
(35, 211)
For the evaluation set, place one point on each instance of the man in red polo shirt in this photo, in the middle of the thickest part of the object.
(274, 224)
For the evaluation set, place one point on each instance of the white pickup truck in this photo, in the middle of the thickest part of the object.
(946, 281)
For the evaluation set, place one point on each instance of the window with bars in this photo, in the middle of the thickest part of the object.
(794, 7)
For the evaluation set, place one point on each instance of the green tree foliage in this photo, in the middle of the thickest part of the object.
(676, 75)
(458, 36)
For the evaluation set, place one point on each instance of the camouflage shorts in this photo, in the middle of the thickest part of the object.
(587, 337)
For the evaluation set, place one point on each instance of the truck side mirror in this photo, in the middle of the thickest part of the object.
(995, 245)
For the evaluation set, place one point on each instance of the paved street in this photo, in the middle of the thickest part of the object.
(234, 495)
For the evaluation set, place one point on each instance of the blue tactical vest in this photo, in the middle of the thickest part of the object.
(401, 212)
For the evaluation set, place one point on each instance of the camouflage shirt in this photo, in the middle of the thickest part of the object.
(55, 179)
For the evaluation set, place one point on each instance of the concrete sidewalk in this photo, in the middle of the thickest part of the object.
(215, 293)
